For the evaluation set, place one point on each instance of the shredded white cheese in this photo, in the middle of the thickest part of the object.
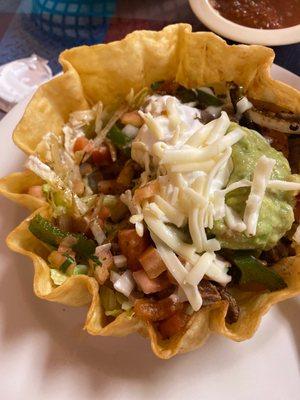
(200, 268)
(97, 232)
(135, 210)
(242, 105)
(259, 185)
(44, 171)
(194, 161)
(233, 220)
(179, 273)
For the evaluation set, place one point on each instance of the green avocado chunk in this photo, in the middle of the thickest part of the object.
(276, 214)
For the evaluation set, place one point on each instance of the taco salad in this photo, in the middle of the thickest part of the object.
(174, 209)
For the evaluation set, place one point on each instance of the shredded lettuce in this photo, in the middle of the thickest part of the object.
(59, 203)
(44, 171)
(57, 276)
(108, 299)
(136, 100)
(112, 301)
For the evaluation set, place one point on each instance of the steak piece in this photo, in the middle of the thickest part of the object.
(211, 293)
(233, 311)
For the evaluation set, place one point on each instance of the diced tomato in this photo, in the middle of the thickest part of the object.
(132, 247)
(36, 191)
(132, 118)
(173, 325)
(278, 140)
(145, 192)
(152, 262)
(151, 310)
(56, 259)
(101, 156)
(104, 212)
(80, 143)
(110, 186)
(127, 173)
(148, 285)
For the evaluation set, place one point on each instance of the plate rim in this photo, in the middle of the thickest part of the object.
(210, 17)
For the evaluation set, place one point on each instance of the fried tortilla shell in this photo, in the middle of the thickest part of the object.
(76, 291)
(82, 290)
(107, 72)
(15, 187)
(49, 109)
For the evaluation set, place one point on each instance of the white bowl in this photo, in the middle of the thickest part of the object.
(270, 37)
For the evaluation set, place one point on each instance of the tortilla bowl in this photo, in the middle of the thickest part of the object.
(107, 72)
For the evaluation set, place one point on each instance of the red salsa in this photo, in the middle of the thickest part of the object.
(260, 14)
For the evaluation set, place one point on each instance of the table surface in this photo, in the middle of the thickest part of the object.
(20, 36)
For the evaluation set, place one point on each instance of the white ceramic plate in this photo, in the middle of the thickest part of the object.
(210, 17)
(45, 355)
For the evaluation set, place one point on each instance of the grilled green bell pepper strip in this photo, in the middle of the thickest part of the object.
(185, 95)
(203, 98)
(207, 99)
(45, 231)
(254, 271)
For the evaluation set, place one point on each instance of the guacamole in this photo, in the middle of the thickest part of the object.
(276, 213)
